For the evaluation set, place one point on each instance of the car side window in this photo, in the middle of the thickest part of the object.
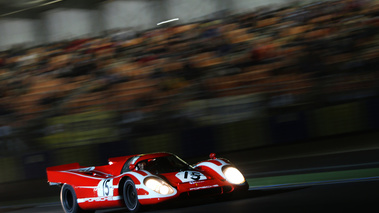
(125, 168)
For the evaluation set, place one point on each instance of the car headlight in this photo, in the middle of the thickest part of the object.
(233, 175)
(158, 186)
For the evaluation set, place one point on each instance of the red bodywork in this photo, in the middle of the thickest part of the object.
(100, 187)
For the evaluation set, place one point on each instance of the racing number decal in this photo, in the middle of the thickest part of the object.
(188, 176)
(195, 175)
(105, 188)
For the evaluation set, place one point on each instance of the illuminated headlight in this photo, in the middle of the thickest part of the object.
(233, 175)
(158, 186)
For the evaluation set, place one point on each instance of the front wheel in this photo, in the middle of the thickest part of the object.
(131, 196)
(69, 201)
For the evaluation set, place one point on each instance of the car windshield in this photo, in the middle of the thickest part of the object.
(164, 164)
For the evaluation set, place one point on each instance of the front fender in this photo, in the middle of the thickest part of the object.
(214, 167)
(146, 196)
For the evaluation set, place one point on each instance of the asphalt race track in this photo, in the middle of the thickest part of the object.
(341, 197)
(324, 183)
(318, 184)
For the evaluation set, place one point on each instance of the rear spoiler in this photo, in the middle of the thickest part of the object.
(63, 167)
(54, 173)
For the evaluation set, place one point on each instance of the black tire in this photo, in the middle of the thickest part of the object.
(130, 196)
(69, 201)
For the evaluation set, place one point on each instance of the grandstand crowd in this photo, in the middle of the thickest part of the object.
(295, 53)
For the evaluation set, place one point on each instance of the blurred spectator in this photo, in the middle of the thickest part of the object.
(52, 99)
(286, 53)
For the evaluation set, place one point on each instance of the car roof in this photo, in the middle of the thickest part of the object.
(117, 163)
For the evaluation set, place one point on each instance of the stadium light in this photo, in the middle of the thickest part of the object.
(52, 2)
(171, 20)
(29, 8)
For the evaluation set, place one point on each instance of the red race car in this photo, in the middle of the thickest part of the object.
(145, 179)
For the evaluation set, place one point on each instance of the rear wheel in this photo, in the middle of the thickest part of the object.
(131, 196)
(69, 201)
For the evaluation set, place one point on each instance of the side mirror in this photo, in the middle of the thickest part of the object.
(132, 167)
(212, 156)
